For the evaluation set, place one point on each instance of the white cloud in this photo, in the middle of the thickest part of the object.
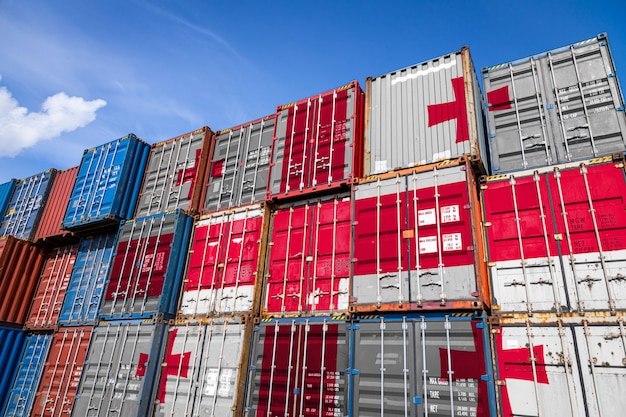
(21, 129)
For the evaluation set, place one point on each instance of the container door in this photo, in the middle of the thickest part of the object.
(535, 366)
(296, 369)
(201, 370)
(24, 210)
(420, 367)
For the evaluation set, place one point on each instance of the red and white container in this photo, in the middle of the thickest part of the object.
(225, 267)
(557, 238)
(308, 267)
(318, 143)
(417, 241)
(48, 299)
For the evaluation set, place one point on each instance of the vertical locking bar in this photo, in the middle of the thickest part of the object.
(423, 328)
(399, 238)
(448, 326)
(332, 138)
(288, 248)
(520, 243)
(592, 366)
(307, 328)
(542, 116)
(382, 367)
(108, 176)
(304, 166)
(303, 277)
(533, 365)
(332, 259)
(320, 101)
(150, 272)
(224, 169)
(219, 366)
(320, 412)
(420, 296)
(206, 353)
(256, 165)
(571, 389)
(244, 165)
(405, 368)
(559, 108)
(182, 178)
(440, 266)
(314, 295)
(584, 103)
(517, 118)
(378, 269)
(222, 275)
(293, 134)
(240, 260)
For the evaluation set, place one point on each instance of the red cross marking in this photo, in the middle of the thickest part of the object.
(174, 365)
(453, 110)
(143, 364)
(499, 99)
(185, 174)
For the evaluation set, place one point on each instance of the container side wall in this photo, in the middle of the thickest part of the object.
(49, 229)
(12, 342)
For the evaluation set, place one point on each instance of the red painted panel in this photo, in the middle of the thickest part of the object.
(50, 293)
(49, 228)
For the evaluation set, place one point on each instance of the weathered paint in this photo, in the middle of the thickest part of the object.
(225, 269)
(12, 342)
(49, 230)
(308, 268)
(555, 107)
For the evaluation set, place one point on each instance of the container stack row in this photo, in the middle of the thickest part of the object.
(423, 247)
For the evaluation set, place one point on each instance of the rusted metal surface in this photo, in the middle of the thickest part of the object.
(49, 231)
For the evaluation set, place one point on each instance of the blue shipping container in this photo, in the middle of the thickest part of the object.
(89, 276)
(6, 192)
(11, 347)
(24, 387)
(26, 205)
(148, 267)
(107, 185)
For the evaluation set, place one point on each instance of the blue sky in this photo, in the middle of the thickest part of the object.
(76, 74)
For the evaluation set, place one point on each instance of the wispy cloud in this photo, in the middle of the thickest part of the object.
(60, 113)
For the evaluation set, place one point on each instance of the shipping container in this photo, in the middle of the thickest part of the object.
(21, 263)
(148, 267)
(421, 365)
(561, 370)
(23, 213)
(50, 293)
(12, 341)
(226, 263)
(49, 230)
(119, 377)
(297, 368)
(424, 113)
(557, 238)
(318, 143)
(418, 244)
(29, 369)
(90, 274)
(6, 192)
(308, 267)
(239, 167)
(107, 185)
(61, 372)
(555, 107)
(204, 369)
(175, 174)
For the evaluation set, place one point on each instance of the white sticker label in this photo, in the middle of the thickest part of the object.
(426, 217)
(452, 242)
(450, 214)
(211, 382)
(441, 155)
(380, 166)
(226, 377)
(512, 343)
(428, 244)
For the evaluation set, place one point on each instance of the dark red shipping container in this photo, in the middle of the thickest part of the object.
(308, 269)
(62, 372)
(20, 267)
(49, 229)
(50, 293)
(318, 143)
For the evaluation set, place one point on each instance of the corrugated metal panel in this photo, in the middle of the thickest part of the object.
(583, 366)
(49, 229)
(30, 367)
(424, 113)
(11, 347)
(20, 267)
(308, 268)
(24, 210)
(119, 378)
(62, 371)
(175, 174)
(148, 267)
(204, 369)
(559, 106)
(48, 299)
(107, 185)
(6, 192)
(239, 167)
(297, 368)
(557, 238)
(417, 241)
(421, 365)
(225, 269)
(318, 143)
(89, 276)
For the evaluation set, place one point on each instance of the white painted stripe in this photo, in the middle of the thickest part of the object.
(424, 72)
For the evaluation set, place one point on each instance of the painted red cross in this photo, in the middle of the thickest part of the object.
(499, 99)
(175, 365)
(185, 174)
(142, 365)
(453, 110)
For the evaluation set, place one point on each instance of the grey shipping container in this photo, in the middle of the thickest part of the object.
(119, 375)
(560, 369)
(555, 107)
(421, 365)
(174, 175)
(204, 369)
(424, 113)
(239, 166)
